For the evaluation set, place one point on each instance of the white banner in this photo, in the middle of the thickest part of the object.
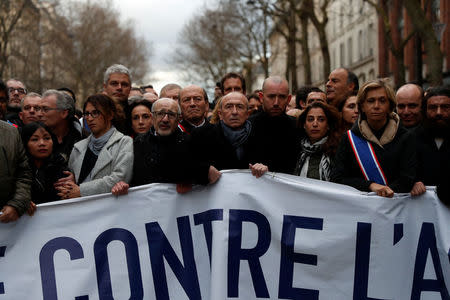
(276, 237)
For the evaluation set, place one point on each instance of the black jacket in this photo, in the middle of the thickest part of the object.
(432, 162)
(42, 189)
(274, 142)
(166, 159)
(186, 127)
(211, 147)
(397, 159)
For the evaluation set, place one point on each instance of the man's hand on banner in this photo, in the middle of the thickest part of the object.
(9, 214)
(120, 188)
(418, 189)
(258, 169)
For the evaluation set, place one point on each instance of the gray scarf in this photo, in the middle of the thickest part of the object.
(96, 144)
(237, 137)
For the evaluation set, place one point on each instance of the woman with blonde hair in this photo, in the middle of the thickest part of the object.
(377, 154)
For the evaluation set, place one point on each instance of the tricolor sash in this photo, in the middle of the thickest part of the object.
(367, 160)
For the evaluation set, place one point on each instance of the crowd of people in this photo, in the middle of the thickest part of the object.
(370, 137)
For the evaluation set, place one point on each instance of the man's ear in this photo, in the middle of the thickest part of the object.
(65, 113)
(260, 94)
(219, 113)
(21, 116)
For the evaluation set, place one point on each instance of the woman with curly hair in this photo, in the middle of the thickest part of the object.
(320, 124)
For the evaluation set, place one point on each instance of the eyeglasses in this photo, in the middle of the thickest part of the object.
(161, 114)
(19, 90)
(46, 109)
(29, 107)
(94, 114)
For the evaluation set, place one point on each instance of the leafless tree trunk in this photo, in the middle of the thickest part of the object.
(434, 57)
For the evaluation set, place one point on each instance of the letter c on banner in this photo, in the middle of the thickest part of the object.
(102, 264)
(47, 264)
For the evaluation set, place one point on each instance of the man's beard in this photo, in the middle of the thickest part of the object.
(438, 127)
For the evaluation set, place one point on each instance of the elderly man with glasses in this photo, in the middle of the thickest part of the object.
(163, 154)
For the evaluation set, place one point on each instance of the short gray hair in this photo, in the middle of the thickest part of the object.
(29, 95)
(63, 101)
(116, 68)
(163, 100)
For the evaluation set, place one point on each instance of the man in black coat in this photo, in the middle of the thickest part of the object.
(224, 145)
(274, 137)
(163, 154)
(433, 141)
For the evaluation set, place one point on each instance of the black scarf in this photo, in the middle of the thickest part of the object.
(237, 137)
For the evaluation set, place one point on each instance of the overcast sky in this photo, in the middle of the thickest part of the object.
(160, 22)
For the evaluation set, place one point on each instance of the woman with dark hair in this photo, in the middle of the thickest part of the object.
(139, 117)
(320, 125)
(47, 167)
(349, 112)
(377, 154)
(102, 159)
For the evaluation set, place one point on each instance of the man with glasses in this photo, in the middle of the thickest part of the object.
(58, 114)
(31, 108)
(16, 92)
(163, 153)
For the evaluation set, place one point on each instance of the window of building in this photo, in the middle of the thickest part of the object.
(370, 39)
(342, 54)
(360, 45)
(350, 50)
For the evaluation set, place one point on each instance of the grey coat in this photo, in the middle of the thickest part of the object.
(15, 173)
(114, 163)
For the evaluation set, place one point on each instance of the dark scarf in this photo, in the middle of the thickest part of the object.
(237, 137)
(307, 150)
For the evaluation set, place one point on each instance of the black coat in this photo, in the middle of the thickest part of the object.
(211, 147)
(433, 163)
(274, 142)
(186, 127)
(397, 159)
(166, 159)
(42, 189)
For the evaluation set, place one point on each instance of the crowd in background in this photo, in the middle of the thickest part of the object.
(366, 136)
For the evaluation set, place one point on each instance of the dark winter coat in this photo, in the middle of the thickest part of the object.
(397, 157)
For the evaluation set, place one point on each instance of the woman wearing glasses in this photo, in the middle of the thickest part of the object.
(104, 158)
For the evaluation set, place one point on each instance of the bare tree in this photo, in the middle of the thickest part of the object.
(434, 57)
(10, 15)
(228, 37)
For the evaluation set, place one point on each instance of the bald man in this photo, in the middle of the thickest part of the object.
(409, 105)
(274, 136)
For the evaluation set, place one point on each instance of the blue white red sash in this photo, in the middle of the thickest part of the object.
(367, 159)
